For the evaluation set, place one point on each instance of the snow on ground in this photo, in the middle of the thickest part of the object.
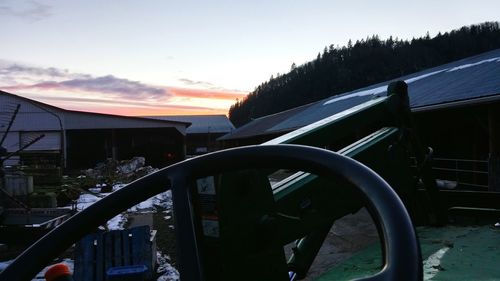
(169, 273)
(162, 200)
(117, 222)
(4, 264)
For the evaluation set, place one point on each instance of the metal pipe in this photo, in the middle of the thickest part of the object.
(10, 124)
(22, 148)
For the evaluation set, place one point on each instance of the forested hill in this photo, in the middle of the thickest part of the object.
(340, 69)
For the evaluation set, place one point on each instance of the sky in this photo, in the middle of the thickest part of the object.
(166, 57)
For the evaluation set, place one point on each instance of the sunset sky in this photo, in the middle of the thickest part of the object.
(168, 57)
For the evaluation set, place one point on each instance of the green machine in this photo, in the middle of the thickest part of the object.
(232, 223)
(244, 221)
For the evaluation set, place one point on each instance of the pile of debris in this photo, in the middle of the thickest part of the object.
(112, 171)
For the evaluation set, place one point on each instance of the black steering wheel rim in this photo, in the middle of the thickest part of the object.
(400, 242)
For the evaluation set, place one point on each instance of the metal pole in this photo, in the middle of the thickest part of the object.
(10, 124)
(494, 148)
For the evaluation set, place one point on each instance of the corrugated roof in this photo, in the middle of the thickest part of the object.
(465, 81)
(201, 123)
(73, 119)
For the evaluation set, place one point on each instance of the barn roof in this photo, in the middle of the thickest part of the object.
(201, 124)
(71, 119)
(464, 82)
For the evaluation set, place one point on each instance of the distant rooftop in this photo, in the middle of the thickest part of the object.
(201, 123)
(468, 81)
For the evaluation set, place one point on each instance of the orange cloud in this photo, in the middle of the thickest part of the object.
(206, 94)
(131, 111)
(114, 95)
(125, 107)
(168, 111)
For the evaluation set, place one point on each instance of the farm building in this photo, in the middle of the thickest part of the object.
(456, 109)
(75, 140)
(201, 136)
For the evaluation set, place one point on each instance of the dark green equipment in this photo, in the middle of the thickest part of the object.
(232, 222)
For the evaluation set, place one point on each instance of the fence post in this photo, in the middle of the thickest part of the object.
(494, 173)
(494, 145)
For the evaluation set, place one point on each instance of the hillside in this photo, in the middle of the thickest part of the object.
(340, 69)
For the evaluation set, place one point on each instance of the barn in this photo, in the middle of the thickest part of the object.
(71, 140)
(456, 109)
(202, 135)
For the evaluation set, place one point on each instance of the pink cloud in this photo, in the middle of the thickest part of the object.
(206, 94)
(110, 94)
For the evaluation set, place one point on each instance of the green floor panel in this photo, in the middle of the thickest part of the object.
(449, 253)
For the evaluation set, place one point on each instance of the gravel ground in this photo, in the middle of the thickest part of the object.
(347, 236)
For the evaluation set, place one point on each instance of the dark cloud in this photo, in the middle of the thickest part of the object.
(32, 11)
(105, 84)
(38, 71)
(62, 79)
(111, 84)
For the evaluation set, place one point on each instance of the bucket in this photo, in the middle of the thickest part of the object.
(18, 185)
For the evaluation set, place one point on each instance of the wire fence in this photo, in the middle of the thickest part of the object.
(464, 174)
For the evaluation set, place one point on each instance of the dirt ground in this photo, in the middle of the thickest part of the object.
(348, 235)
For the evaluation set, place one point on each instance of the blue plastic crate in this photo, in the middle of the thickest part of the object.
(127, 273)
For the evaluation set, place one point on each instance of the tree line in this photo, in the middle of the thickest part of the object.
(336, 70)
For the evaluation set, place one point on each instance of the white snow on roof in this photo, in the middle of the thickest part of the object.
(320, 123)
(379, 90)
(411, 80)
(497, 59)
(382, 89)
(368, 92)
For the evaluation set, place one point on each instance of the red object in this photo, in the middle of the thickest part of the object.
(58, 272)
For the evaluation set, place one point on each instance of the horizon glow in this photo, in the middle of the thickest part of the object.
(167, 58)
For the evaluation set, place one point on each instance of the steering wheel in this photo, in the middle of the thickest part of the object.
(402, 255)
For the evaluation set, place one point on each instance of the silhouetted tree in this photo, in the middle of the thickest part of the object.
(366, 62)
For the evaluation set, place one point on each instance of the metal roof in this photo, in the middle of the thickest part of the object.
(71, 119)
(464, 82)
(201, 124)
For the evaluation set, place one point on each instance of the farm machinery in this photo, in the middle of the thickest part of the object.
(232, 223)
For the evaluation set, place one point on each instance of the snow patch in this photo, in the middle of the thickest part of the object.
(411, 80)
(432, 265)
(85, 200)
(369, 92)
(117, 222)
(169, 273)
(381, 89)
(4, 264)
(497, 59)
(162, 200)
